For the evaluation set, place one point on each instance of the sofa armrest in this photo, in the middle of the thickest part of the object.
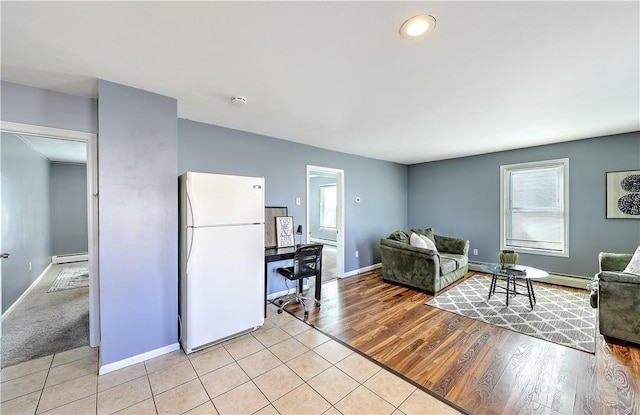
(618, 277)
(613, 262)
(452, 245)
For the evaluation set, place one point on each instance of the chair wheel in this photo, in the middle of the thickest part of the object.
(280, 302)
(279, 311)
(306, 314)
(317, 304)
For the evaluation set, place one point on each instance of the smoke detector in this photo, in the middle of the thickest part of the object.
(238, 100)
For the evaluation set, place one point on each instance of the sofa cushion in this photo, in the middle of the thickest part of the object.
(633, 267)
(460, 260)
(451, 245)
(428, 232)
(447, 265)
(399, 236)
(417, 241)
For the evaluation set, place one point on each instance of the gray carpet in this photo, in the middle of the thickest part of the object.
(559, 316)
(46, 322)
(70, 278)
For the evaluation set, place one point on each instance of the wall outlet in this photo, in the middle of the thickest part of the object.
(475, 252)
(357, 254)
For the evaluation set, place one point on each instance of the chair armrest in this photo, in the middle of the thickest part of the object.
(613, 262)
(452, 245)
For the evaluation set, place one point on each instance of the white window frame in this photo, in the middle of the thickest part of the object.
(322, 189)
(505, 171)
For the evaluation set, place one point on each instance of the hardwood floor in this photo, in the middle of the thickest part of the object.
(481, 368)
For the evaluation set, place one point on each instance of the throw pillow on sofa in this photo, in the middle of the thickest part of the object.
(417, 241)
(426, 232)
(633, 267)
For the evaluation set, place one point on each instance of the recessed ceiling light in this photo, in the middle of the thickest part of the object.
(417, 27)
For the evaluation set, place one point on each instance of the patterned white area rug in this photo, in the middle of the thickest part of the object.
(70, 278)
(559, 316)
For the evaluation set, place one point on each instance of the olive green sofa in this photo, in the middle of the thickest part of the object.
(421, 268)
(616, 295)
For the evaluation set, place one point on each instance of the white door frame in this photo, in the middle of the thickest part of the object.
(92, 208)
(339, 211)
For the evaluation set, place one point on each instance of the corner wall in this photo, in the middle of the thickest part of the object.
(138, 211)
(69, 229)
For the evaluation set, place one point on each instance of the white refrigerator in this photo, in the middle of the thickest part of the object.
(222, 293)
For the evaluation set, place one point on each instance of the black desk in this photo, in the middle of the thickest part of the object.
(279, 254)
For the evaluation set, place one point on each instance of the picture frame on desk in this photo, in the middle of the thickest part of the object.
(270, 214)
(284, 231)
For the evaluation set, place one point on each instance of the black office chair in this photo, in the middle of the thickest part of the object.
(307, 262)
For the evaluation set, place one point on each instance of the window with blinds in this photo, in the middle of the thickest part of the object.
(534, 207)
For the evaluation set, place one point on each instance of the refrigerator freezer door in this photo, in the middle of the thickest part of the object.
(217, 199)
(223, 292)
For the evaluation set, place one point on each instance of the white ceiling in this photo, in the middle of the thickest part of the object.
(57, 150)
(491, 76)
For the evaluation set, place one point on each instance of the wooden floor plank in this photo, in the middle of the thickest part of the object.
(481, 368)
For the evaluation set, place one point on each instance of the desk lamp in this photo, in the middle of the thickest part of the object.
(299, 233)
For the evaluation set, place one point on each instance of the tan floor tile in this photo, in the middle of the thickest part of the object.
(145, 407)
(25, 404)
(358, 367)
(363, 401)
(288, 349)
(210, 361)
(67, 392)
(84, 406)
(333, 351)
(181, 398)
(332, 411)
(224, 379)
(302, 400)
(295, 327)
(78, 353)
(259, 363)
(171, 376)
(242, 348)
(205, 350)
(312, 338)
(421, 403)
(390, 387)
(23, 385)
(121, 376)
(206, 408)
(25, 368)
(245, 399)
(168, 359)
(333, 384)
(267, 410)
(308, 365)
(272, 336)
(72, 370)
(278, 382)
(123, 395)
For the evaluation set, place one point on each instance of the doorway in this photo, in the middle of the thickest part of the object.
(30, 136)
(325, 217)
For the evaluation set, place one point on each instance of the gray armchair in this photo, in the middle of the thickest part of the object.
(617, 297)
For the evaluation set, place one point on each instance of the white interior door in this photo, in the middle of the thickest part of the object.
(338, 174)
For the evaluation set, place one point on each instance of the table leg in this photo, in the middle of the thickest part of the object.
(508, 285)
(530, 292)
(533, 293)
(318, 288)
(492, 287)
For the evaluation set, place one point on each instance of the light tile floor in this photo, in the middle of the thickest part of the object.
(286, 367)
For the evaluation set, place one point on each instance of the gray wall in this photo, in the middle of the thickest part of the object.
(461, 197)
(28, 105)
(138, 211)
(25, 217)
(381, 185)
(69, 229)
(314, 208)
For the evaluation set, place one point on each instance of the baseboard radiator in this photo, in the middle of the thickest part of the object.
(64, 259)
(566, 280)
(323, 241)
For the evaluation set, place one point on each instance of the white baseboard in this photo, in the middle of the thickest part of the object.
(323, 241)
(64, 259)
(361, 270)
(574, 281)
(24, 294)
(138, 358)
